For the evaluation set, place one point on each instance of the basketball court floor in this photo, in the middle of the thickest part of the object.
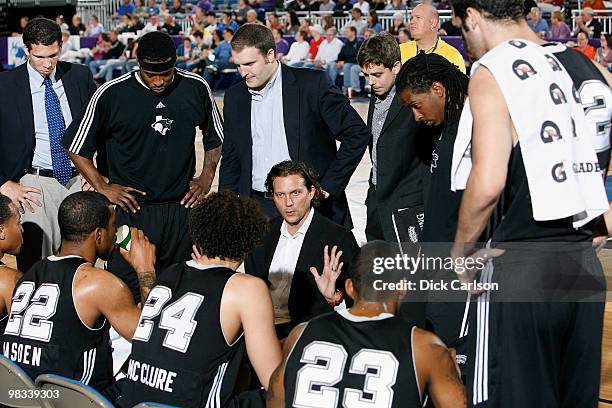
(356, 193)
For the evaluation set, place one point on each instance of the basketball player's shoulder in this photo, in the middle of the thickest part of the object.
(242, 284)
(426, 341)
(194, 81)
(88, 277)
(8, 277)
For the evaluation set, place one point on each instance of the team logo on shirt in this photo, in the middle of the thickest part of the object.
(554, 64)
(558, 173)
(162, 125)
(517, 44)
(557, 94)
(550, 132)
(523, 69)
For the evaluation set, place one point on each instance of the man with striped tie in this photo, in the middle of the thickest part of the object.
(147, 121)
(37, 102)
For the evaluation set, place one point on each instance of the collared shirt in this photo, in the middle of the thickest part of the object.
(298, 51)
(381, 108)
(442, 48)
(223, 51)
(328, 51)
(283, 265)
(267, 130)
(42, 150)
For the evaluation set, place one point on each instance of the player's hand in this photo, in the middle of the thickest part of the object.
(468, 275)
(195, 254)
(325, 194)
(122, 196)
(198, 188)
(141, 255)
(599, 242)
(21, 195)
(326, 282)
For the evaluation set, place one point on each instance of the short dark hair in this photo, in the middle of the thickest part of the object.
(198, 34)
(290, 168)
(229, 30)
(228, 13)
(380, 49)
(420, 72)
(42, 31)
(358, 10)
(303, 33)
(254, 35)
(353, 29)
(500, 10)
(362, 273)
(226, 226)
(211, 13)
(5, 209)
(81, 213)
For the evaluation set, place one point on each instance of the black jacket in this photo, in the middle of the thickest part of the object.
(17, 135)
(316, 114)
(305, 300)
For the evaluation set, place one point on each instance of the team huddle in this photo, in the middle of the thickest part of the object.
(307, 325)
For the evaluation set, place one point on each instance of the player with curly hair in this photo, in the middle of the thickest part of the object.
(11, 239)
(196, 321)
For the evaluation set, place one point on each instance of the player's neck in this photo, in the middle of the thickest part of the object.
(81, 249)
(227, 263)
(499, 33)
(371, 309)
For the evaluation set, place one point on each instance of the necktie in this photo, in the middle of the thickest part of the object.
(62, 170)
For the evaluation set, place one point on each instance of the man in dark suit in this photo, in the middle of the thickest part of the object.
(306, 254)
(37, 102)
(395, 197)
(280, 113)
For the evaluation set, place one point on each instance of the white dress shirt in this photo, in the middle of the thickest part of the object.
(328, 51)
(298, 52)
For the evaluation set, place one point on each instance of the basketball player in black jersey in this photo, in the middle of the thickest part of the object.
(11, 240)
(201, 313)
(551, 347)
(62, 307)
(365, 356)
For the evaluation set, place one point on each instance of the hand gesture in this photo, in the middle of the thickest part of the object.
(122, 196)
(141, 255)
(326, 282)
(20, 195)
(198, 188)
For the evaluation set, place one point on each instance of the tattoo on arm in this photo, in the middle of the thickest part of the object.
(274, 379)
(146, 281)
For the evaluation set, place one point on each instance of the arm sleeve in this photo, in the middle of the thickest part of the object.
(85, 131)
(212, 130)
(349, 129)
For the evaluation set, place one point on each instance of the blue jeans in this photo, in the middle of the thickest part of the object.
(351, 75)
(95, 65)
(107, 69)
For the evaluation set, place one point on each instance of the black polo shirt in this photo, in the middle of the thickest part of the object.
(149, 138)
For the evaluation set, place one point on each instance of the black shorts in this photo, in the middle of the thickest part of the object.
(166, 226)
(544, 353)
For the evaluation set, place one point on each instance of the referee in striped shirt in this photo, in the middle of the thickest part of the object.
(147, 121)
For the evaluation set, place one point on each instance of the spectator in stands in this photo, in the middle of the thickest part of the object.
(403, 36)
(297, 5)
(152, 8)
(76, 27)
(177, 7)
(227, 22)
(604, 55)
(328, 22)
(367, 34)
(170, 26)
(163, 9)
(378, 5)
(184, 53)
(451, 28)
(198, 20)
(23, 21)
(152, 24)
(113, 50)
(328, 52)
(373, 22)
(127, 7)
(347, 62)
(594, 4)
(282, 46)
(135, 25)
(206, 6)
(252, 17)
(273, 21)
(122, 63)
(94, 28)
(585, 23)
(305, 24)
(211, 21)
(59, 19)
(293, 23)
(298, 52)
(223, 57)
(424, 30)
(139, 9)
(537, 23)
(396, 5)
(98, 50)
(200, 52)
(584, 47)
(550, 6)
(397, 24)
(123, 23)
(327, 5)
(357, 21)
(558, 27)
(316, 34)
(362, 5)
(313, 5)
(343, 5)
(69, 53)
(241, 13)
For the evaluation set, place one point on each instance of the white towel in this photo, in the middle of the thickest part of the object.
(558, 153)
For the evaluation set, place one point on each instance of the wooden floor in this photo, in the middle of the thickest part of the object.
(356, 195)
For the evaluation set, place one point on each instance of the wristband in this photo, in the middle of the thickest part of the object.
(335, 303)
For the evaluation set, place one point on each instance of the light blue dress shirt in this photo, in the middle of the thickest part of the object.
(42, 150)
(268, 130)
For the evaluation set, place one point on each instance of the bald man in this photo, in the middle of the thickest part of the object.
(424, 29)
